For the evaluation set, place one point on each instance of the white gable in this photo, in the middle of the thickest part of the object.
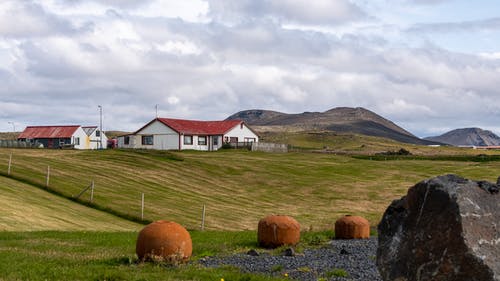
(156, 128)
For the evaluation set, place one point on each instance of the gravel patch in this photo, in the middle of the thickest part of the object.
(354, 258)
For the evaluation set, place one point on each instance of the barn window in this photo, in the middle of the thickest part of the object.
(126, 140)
(97, 133)
(188, 140)
(77, 141)
(216, 140)
(147, 140)
(202, 140)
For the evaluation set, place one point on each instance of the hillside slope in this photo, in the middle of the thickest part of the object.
(341, 119)
(27, 208)
(237, 187)
(468, 137)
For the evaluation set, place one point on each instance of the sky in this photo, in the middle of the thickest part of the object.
(429, 66)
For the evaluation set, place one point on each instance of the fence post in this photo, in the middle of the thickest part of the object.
(10, 162)
(48, 176)
(92, 191)
(203, 218)
(142, 206)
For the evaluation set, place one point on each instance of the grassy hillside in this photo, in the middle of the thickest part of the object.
(237, 187)
(344, 143)
(9, 135)
(27, 208)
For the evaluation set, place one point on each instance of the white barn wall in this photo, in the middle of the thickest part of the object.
(132, 141)
(94, 140)
(197, 146)
(81, 135)
(164, 138)
(241, 133)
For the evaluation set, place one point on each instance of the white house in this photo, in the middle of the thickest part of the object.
(74, 136)
(95, 138)
(179, 134)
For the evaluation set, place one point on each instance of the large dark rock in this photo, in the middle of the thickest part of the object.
(445, 228)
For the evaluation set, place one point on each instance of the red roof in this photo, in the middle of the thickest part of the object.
(198, 127)
(48, 132)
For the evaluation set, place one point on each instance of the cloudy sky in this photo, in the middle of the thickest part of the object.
(428, 65)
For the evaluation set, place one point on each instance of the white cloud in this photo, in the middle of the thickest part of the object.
(179, 48)
(490, 56)
(203, 63)
(327, 12)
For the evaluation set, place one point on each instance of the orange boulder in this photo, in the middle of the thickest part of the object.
(278, 230)
(164, 240)
(352, 227)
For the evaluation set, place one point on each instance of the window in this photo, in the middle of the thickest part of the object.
(147, 140)
(97, 133)
(126, 140)
(216, 140)
(202, 140)
(77, 141)
(233, 139)
(188, 140)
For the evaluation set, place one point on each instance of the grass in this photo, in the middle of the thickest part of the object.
(237, 187)
(55, 255)
(27, 208)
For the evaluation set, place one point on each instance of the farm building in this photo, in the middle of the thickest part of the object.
(69, 136)
(179, 134)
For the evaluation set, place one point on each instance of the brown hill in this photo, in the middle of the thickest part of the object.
(341, 119)
(468, 137)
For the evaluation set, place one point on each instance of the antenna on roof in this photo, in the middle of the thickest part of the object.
(156, 106)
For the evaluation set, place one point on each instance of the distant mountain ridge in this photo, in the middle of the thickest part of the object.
(468, 137)
(341, 119)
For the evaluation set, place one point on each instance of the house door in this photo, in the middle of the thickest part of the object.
(50, 143)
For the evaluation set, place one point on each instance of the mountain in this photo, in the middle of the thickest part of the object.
(341, 119)
(468, 137)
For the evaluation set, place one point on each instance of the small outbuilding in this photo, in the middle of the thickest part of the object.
(67, 136)
(180, 134)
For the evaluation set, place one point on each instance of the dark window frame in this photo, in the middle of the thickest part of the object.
(188, 137)
(144, 139)
(204, 138)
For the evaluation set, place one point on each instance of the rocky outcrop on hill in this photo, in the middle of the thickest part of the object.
(468, 137)
(341, 119)
(445, 228)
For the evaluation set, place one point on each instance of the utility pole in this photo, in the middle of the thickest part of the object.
(13, 126)
(100, 126)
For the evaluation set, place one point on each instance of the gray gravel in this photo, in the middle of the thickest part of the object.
(355, 257)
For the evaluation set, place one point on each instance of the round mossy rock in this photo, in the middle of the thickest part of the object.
(165, 241)
(278, 230)
(352, 227)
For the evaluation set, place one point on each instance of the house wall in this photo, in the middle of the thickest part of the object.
(243, 133)
(94, 140)
(164, 138)
(209, 146)
(132, 141)
(81, 135)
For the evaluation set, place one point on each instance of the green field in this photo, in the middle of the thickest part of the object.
(52, 255)
(27, 208)
(237, 187)
(83, 241)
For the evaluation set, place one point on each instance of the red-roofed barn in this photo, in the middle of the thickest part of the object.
(179, 134)
(72, 136)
